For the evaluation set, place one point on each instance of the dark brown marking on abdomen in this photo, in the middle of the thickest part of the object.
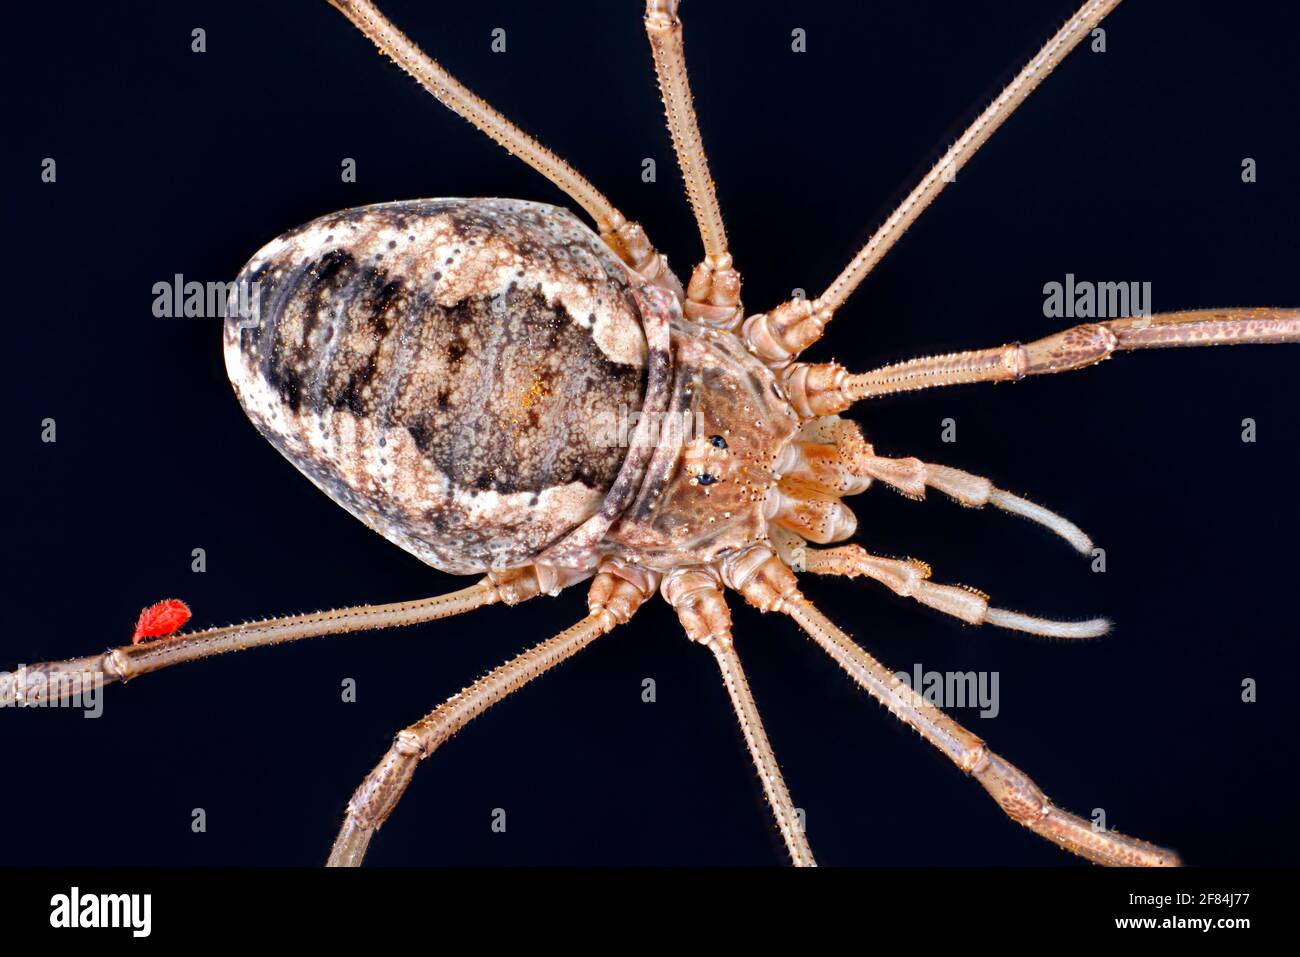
(499, 391)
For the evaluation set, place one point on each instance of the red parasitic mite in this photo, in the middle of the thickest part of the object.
(161, 620)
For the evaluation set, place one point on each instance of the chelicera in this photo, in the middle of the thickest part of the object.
(454, 373)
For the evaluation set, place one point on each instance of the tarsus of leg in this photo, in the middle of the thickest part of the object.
(52, 681)
(1078, 347)
(459, 99)
(1034, 72)
(1015, 792)
(713, 293)
(912, 476)
(611, 601)
(696, 595)
(910, 579)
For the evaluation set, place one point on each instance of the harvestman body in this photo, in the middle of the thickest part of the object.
(449, 371)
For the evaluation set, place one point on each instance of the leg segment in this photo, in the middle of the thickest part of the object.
(791, 328)
(825, 388)
(770, 586)
(612, 600)
(910, 579)
(624, 237)
(1016, 794)
(696, 594)
(977, 134)
(57, 680)
(1079, 347)
(713, 294)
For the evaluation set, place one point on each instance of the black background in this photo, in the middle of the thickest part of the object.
(1124, 166)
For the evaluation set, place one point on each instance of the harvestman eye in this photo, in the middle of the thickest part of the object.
(365, 350)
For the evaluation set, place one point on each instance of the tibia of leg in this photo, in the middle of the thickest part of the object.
(612, 599)
(47, 682)
(910, 579)
(912, 476)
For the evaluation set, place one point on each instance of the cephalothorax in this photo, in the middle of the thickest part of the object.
(502, 391)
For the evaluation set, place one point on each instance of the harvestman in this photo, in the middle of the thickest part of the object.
(733, 510)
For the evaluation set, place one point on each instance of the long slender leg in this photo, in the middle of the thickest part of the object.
(713, 294)
(612, 600)
(1017, 795)
(824, 388)
(52, 681)
(697, 597)
(794, 326)
(975, 136)
(910, 579)
(626, 238)
(772, 587)
(1078, 347)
